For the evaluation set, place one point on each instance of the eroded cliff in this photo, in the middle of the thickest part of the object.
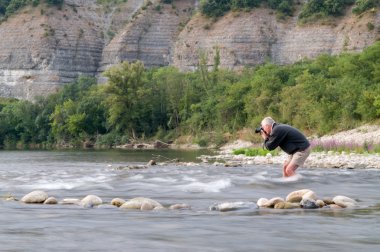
(42, 48)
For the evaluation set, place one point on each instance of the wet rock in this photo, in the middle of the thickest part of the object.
(262, 202)
(70, 202)
(179, 206)
(151, 162)
(137, 203)
(35, 197)
(308, 204)
(91, 201)
(310, 195)
(233, 206)
(296, 196)
(117, 202)
(272, 202)
(328, 201)
(344, 201)
(286, 205)
(232, 164)
(147, 206)
(51, 201)
(320, 203)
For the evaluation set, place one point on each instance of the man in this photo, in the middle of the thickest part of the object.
(290, 140)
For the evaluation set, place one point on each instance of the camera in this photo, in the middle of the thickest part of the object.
(258, 130)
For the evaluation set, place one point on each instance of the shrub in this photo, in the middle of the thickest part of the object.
(364, 5)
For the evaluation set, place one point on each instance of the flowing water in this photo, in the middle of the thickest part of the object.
(75, 174)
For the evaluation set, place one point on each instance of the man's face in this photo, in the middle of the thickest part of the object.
(267, 128)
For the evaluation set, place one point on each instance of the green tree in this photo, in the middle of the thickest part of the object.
(129, 99)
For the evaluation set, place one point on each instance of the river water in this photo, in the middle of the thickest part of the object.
(75, 174)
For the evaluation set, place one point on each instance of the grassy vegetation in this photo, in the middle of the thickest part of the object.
(318, 96)
(253, 152)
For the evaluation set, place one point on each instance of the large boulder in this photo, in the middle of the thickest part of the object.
(51, 201)
(296, 196)
(141, 204)
(262, 202)
(117, 202)
(91, 201)
(344, 201)
(35, 197)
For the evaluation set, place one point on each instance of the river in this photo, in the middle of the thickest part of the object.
(75, 174)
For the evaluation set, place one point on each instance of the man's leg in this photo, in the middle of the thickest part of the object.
(284, 168)
(290, 169)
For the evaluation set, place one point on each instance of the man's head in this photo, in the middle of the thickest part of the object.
(267, 123)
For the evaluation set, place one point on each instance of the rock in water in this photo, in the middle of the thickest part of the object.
(296, 196)
(262, 202)
(233, 206)
(139, 203)
(117, 202)
(51, 201)
(179, 206)
(344, 201)
(91, 201)
(35, 197)
(309, 204)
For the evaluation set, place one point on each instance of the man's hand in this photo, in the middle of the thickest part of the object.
(263, 135)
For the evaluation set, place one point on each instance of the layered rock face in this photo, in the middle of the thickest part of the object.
(150, 36)
(44, 47)
(246, 39)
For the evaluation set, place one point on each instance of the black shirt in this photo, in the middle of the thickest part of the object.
(288, 138)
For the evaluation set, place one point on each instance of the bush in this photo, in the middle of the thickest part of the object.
(253, 152)
(364, 5)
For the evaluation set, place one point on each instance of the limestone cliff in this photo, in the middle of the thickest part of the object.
(44, 47)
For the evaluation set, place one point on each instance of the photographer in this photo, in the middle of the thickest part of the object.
(289, 139)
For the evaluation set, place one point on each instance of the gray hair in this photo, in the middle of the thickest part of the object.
(267, 121)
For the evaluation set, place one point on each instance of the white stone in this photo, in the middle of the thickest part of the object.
(137, 203)
(296, 196)
(344, 201)
(91, 201)
(262, 202)
(35, 197)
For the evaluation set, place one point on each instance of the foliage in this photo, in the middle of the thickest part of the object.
(315, 9)
(317, 96)
(364, 5)
(217, 8)
(253, 152)
(8, 7)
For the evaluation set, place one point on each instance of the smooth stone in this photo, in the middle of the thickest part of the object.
(70, 202)
(262, 202)
(51, 201)
(179, 206)
(328, 201)
(117, 202)
(320, 203)
(309, 204)
(147, 206)
(136, 203)
(91, 201)
(344, 201)
(35, 197)
(280, 205)
(310, 195)
(296, 196)
(233, 206)
(272, 202)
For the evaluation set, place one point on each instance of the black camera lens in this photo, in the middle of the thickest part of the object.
(258, 130)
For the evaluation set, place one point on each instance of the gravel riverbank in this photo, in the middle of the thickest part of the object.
(366, 134)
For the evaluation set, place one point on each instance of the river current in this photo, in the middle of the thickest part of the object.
(75, 174)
